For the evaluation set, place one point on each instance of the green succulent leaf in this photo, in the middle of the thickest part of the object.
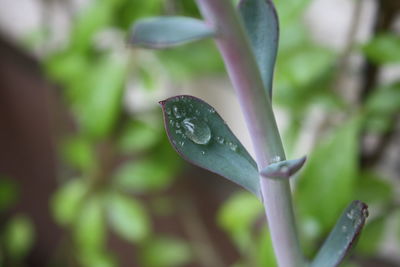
(201, 136)
(283, 169)
(261, 22)
(343, 236)
(164, 32)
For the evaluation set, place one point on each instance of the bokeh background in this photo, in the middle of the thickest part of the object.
(88, 178)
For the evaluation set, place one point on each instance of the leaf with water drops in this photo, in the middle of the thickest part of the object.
(164, 32)
(343, 236)
(201, 136)
(262, 26)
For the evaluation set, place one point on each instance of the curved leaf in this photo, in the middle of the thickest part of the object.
(343, 236)
(283, 169)
(200, 136)
(163, 32)
(262, 25)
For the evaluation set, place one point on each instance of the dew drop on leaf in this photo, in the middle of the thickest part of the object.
(178, 113)
(220, 140)
(233, 146)
(350, 214)
(197, 130)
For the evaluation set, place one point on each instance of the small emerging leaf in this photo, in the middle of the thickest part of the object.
(163, 32)
(283, 169)
(200, 135)
(261, 22)
(343, 236)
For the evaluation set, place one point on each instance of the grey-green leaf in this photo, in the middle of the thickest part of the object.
(262, 26)
(343, 236)
(164, 32)
(283, 169)
(200, 136)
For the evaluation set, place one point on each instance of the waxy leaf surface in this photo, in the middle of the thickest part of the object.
(164, 32)
(283, 169)
(343, 236)
(262, 26)
(201, 136)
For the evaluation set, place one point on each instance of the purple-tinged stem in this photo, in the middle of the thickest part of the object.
(256, 106)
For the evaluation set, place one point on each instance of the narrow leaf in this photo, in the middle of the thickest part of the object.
(164, 32)
(343, 236)
(283, 169)
(261, 22)
(200, 136)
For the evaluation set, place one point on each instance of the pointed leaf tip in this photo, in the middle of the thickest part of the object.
(163, 32)
(200, 136)
(283, 169)
(262, 26)
(343, 236)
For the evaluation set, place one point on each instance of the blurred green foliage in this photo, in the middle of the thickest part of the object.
(111, 158)
(305, 78)
(17, 234)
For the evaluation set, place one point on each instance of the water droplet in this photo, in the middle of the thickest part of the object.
(275, 159)
(197, 130)
(220, 140)
(197, 112)
(178, 113)
(211, 110)
(233, 146)
(203, 152)
(350, 214)
(344, 228)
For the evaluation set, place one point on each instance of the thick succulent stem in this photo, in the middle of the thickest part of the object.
(256, 106)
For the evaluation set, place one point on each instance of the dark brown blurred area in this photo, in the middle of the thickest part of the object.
(26, 143)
